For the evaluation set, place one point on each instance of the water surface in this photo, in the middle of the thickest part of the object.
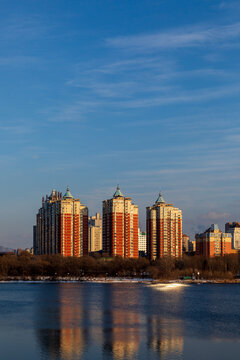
(119, 321)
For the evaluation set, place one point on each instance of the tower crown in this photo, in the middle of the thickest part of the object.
(160, 199)
(68, 195)
(117, 192)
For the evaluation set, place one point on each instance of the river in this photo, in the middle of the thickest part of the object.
(119, 321)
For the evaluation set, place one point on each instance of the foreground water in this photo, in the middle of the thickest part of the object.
(119, 321)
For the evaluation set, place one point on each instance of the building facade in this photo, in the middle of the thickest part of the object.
(234, 229)
(34, 239)
(164, 230)
(120, 226)
(192, 246)
(62, 226)
(95, 233)
(213, 242)
(142, 243)
(185, 243)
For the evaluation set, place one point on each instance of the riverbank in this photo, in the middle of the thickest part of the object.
(26, 267)
(114, 280)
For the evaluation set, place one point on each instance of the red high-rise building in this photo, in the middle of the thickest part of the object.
(120, 226)
(62, 226)
(164, 230)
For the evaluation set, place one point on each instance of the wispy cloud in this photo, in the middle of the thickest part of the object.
(17, 129)
(73, 112)
(234, 137)
(100, 94)
(202, 95)
(177, 171)
(146, 81)
(177, 38)
(229, 5)
(138, 88)
(127, 64)
(113, 81)
(214, 215)
(20, 27)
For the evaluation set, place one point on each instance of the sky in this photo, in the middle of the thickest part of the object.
(144, 94)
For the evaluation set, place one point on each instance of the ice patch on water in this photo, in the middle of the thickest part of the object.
(170, 286)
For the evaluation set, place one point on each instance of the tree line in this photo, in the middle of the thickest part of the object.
(57, 266)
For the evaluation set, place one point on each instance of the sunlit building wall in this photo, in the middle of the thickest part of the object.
(213, 242)
(142, 242)
(120, 226)
(185, 243)
(95, 233)
(192, 246)
(233, 228)
(62, 226)
(164, 230)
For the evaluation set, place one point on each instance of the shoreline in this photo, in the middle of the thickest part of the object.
(113, 280)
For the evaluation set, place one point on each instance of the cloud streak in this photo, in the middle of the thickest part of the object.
(177, 38)
(214, 215)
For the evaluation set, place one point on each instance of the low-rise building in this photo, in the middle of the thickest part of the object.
(234, 229)
(213, 242)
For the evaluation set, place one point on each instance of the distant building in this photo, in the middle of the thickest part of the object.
(192, 246)
(213, 242)
(185, 243)
(120, 226)
(7, 253)
(95, 233)
(188, 246)
(5, 250)
(62, 226)
(35, 249)
(142, 243)
(164, 230)
(19, 251)
(234, 229)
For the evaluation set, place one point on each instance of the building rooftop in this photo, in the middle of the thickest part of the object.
(214, 227)
(233, 224)
(118, 192)
(160, 199)
(68, 195)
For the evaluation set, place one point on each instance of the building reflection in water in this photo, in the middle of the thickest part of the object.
(164, 336)
(165, 331)
(121, 319)
(73, 337)
(112, 321)
(62, 328)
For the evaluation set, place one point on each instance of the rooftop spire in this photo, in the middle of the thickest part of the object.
(68, 194)
(160, 199)
(117, 192)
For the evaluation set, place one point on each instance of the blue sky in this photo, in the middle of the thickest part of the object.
(140, 93)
